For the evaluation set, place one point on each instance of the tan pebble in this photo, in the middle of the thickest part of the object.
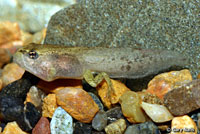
(49, 105)
(11, 72)
(39, 36)
(183, 125)
(10, 36)
(78, 103)
(131, 107)
(13, 128)
(119, 89)
(26, 38)
(4, 57)
(117, 127)
(52, 87)
(35, 96)
(163, 83)
(158, 113)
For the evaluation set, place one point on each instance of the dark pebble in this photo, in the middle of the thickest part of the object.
(114, 114)
(17, 89)
(30, 118)
(11, 108)
(82, 128)
(96, 132)
(143, 128)
(97, 100)
(100, 120)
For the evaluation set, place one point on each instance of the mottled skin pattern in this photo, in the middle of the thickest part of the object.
(71, 62)
(50, 62)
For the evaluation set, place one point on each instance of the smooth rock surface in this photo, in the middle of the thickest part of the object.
(61, 122)
(78, 103)
(183, 125)
(184, 99)
(100, 120)
(49, 105)
(42, 127)
(117, 127)
(158, 113)
(131, 107)
(163, 83)
(82, 128)
(119, 89)
(143, 128)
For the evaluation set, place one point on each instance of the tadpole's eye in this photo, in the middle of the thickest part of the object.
(33, 54)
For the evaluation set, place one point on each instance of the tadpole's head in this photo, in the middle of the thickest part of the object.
(47, 62)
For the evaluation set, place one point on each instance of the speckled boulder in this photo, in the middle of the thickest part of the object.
(170, 25)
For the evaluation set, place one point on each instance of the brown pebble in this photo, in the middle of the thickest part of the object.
(185, 99)
(11, 72)
(4, 57)
(1, 84)
(78, 103)
(163, 83)
(198, 77)
(42, 127)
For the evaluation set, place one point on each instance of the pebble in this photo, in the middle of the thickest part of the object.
(97, 100)
(150, 98)
(143, 128)
(4, 57)
(198, 77)
(11, 72)
(61, 122)
(82, 128)
(49, 105)
(183, 100)
(100, 120)
(35, 96)
(117, 127)
(131, 107)
(163, 83)
(9, 35)
(78, 103)
(119, 89)
(42, 127)
(30, 117)
(11, 108)
(18, 88)
(158, 113)
(1, 84)
(13, 128)
(183, 125)
(114, 114)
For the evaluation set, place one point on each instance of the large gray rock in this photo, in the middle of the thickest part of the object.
(32, 15)
(162, 24)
